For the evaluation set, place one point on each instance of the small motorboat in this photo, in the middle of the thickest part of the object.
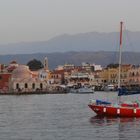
(82, 90)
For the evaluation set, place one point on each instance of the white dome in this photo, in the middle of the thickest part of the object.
(21, 72)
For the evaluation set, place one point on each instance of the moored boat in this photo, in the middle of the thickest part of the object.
(119, 109)
(131, 109)
(109, 87)
(82, 90)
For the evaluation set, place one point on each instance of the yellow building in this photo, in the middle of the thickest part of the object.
(134, 76)
(110, 75)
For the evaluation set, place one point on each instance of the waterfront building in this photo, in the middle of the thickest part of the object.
(124, 74)
(24, 80)
(65, 67)
(68, 66)
(43, 75)
(91, 67)
(80, 78)
(56, 77)
(98, 78)
(4, 82)
(110, 76)
(102, 77)
(97, 67)
(87, 67)
(134, 76)
(5, 75)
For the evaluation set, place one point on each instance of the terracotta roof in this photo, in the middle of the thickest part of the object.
(11, 68)
(58, 72)
(13, 62)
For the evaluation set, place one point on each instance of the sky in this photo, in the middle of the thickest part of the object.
(41, 20)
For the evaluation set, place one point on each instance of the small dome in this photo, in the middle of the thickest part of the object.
(13, 62)
(21, 72)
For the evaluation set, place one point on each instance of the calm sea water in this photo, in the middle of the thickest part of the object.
(61, 117)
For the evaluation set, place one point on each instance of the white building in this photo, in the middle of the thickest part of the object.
(97, 67)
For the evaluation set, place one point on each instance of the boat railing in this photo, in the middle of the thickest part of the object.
(99, 102)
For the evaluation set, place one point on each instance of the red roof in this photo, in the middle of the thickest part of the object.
(11, 68)
(58, 72)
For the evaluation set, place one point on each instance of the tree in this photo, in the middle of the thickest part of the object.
(112, 65)
(35, 64)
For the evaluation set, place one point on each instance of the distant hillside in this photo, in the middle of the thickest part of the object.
(92, 41)
(100, 57)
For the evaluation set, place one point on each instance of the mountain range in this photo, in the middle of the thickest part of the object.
(60, 58)
(92, 47)
(91, 41)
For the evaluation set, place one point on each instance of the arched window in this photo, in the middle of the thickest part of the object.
(17, 86)
(26, 85)
(133, 74)
(41, 85)
(33, 86)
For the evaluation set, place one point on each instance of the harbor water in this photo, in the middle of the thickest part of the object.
(62, 117)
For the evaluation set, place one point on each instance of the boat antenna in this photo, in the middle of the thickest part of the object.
(120, 58)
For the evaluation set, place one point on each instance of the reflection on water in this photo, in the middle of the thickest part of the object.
(102, 121)
(126, 128)
(61, 117)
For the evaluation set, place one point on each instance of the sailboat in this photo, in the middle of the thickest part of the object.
(119, 109)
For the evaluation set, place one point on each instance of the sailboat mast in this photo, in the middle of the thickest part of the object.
(120, 56)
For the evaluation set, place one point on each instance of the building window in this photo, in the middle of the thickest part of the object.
(33, 86)
(133, 74)
(17, 86)
(41, 85)
(26, 85)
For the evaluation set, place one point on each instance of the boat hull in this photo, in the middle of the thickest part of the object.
(115, 111)
(82, 90)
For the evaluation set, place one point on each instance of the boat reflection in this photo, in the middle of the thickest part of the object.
(105, 121)
(121, 128)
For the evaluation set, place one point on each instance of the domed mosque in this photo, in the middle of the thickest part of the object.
(24, 80)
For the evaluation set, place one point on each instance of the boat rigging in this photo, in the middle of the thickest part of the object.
(119, 109)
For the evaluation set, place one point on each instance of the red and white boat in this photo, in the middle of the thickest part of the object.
(125, 109)
(102, 108)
